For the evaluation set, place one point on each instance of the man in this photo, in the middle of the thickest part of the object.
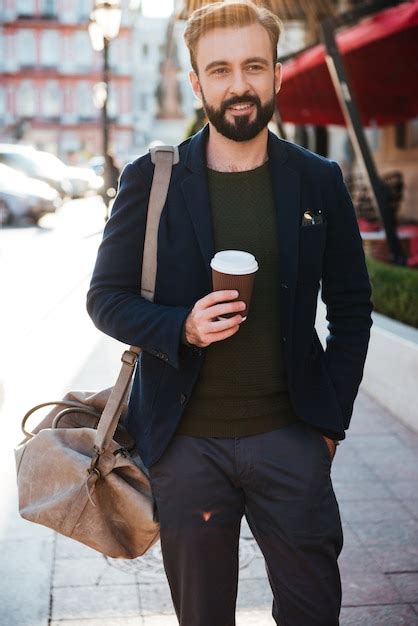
(237, 417)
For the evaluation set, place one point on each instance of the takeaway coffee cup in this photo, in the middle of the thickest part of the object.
(234, 269)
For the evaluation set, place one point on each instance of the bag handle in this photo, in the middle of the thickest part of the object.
(65, 403)
(164, 157)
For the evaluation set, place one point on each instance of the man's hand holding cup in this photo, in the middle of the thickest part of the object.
(202, 325)
(215, 317)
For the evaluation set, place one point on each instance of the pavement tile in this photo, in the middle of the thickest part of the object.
(351, 540)
(25, 571)
(404, 489)
(357, 471)
(95, 602)
(90, 572)
(399, 470)
(243, 618)
(373, 510)
(373, 588)
(370, 423)
(387, 533)
(255, 569)
(411, 506)
(377, 442)
(345, 456)
(361, 490)
(254, 593)
(354, 559)
(408, 436)
(69, 549)
(160, 620)
(394, 615)
(245, 531)
(254, 618)
(389, 456)
(155, 598)
(395, 559)
(147, 568)
(407, 585)
(111, 621)
(19, 529)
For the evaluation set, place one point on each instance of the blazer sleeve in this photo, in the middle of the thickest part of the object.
(346, 292)
(114, 300)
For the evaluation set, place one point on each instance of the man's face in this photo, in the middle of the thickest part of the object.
(236, 80)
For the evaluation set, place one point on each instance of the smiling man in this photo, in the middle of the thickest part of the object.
(241, 415)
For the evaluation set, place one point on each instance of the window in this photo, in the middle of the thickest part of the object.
(82, 52)
(51, 99)
(112, 104)
(25, 8)
(26, 48)
(25, 99)
(84, 100)
(142, 102)
(48, 9)
(83, 10)
(50, 48)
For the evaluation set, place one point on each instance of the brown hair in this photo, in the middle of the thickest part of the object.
(230, 15)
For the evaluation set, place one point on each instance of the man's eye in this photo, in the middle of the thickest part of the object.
(220, 70)
(255, 68)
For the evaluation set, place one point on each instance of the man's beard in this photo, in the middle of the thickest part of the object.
(241, 129)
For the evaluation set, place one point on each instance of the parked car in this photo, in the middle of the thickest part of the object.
(24, 197)
(83, 181)
(37, 164)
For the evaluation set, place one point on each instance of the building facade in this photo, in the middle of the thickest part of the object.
(48, 71)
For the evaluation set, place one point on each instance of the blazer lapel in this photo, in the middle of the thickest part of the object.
(286, 190)
(196, 194)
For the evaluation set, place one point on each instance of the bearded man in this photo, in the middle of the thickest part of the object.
(240, 415)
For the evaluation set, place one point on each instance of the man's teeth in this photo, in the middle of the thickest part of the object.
(241, 107)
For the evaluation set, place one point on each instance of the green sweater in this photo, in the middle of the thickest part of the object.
(241, 389)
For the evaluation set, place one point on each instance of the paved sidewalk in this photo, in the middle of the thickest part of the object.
(54, 581)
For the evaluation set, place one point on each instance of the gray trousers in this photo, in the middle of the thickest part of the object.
(280, 481)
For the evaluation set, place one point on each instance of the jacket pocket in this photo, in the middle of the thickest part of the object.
(311, 250)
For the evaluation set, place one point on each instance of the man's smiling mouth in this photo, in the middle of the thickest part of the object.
(241, 107)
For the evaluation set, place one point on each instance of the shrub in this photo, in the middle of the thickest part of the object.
(395, 291)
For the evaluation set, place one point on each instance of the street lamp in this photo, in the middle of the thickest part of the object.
(104, 26)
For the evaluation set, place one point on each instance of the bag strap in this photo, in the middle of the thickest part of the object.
(164, 157)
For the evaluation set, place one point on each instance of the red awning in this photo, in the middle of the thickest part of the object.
(381, 59)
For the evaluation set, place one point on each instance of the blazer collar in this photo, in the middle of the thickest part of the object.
(196, 152)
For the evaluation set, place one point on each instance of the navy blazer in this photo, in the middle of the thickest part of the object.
(322, 384)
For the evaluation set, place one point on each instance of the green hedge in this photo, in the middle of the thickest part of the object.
(395, 291)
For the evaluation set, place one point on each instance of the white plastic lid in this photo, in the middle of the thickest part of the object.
(234, 262)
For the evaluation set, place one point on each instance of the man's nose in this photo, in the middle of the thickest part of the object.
(239, 85)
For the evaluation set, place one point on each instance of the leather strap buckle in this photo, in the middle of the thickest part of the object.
(129, 357)
(173, 149)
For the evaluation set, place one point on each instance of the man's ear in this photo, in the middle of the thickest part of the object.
(194, 82)
(277, 77)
